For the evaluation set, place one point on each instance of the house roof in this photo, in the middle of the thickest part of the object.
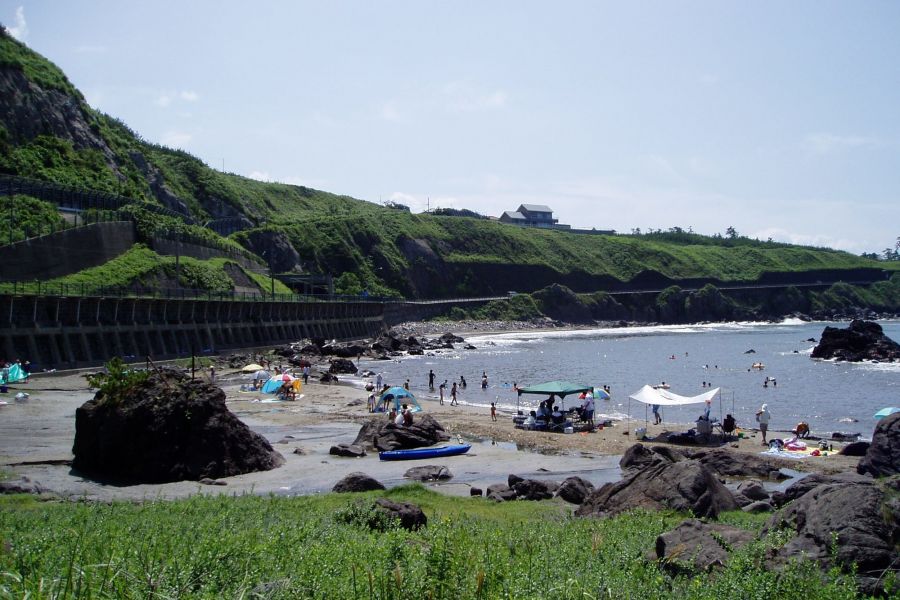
(536, 208)
(514, 215)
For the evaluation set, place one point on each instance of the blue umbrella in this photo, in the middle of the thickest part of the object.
(884, 412)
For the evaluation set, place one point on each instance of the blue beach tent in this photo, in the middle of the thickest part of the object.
(886, 412)
(15, 374)
(401, 396)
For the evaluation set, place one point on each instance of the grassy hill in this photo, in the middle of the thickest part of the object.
(48, 132)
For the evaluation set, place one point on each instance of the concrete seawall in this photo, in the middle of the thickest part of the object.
(64, 332)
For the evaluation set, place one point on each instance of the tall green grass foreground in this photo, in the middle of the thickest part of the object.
(275, 547)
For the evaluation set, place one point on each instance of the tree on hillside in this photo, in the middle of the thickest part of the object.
(731, 233)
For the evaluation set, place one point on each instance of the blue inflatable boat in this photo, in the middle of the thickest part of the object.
(419, 453)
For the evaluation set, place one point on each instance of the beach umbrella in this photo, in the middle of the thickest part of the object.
(252, 367)
(273, 385)
(601, 394)
(261, 374)
(287, 377)
(884, 412)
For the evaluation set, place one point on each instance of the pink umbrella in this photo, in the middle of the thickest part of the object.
(286, 377)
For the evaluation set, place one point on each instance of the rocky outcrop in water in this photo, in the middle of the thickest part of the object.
(377, 433)
(862, 340)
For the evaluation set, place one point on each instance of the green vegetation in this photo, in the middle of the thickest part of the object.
(117, 381)
(312, 547)
(35, 67)
(29, 217)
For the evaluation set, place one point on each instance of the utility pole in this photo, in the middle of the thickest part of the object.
(12, 214)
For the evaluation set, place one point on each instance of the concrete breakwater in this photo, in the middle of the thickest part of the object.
(69, 332)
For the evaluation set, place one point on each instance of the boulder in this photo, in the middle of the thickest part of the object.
(697, 546)
(349, 450)
(408, 515)
(753, 490)
(512, 480)
(855, 449)
(166, 428)
(841, 524)
(475, 491)
(682, 486)
(377, 433)
(862, 340)
(739, 464)
(801, 486)
(328, 378)
(357, 482)
(500, 492)
(342, 365)
(575, 490)
(533, 489)
(760, 506)
(429, 473)
(883, 456)
(639, 457)
(345, 349)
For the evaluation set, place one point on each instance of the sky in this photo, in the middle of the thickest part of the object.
(779, 119)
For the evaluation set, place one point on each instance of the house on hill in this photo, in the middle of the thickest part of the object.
(531, 215)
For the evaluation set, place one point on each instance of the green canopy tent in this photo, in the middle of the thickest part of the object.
(553, 388)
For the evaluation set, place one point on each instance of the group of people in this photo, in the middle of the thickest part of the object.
(401, 418)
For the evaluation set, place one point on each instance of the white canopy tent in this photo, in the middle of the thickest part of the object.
(650, 395)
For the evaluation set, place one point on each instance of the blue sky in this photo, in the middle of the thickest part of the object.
(778, 118)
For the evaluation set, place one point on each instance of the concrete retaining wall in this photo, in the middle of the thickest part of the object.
(60, 332)
(66, 251)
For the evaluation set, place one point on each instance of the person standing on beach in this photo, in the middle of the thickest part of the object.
(441, 389)
(763, 417)
(493, 411)
(453, 401)
(378, 380)
(656, 418)
(406, 385)
(431, 380)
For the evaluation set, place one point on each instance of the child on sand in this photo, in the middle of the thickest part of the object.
(493, 412)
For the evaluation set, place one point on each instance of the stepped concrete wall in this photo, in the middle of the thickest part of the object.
(66, 252)
(65, 332)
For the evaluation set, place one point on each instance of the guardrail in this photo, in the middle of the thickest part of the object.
(88, 290)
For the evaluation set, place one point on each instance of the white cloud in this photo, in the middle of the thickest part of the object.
(390, 112)
(806, 239)
(463, 97)
(176, 139)
(826, 143)
(20, 29)
(165, 99)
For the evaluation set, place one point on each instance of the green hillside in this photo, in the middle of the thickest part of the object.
(365, 246)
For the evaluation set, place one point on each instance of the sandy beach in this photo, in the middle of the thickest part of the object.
(36, 442)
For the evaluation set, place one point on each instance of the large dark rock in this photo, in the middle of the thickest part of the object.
(429, 473)
(883, 456)
(533, 489)
(739, 464)
(167, 428)
(698, 546)
(862, 340)
(855, 449)
(357, 482)
(753, 490)
(843, 523)
(342, 365)
(348, 450)
(684, 486)
(377, 433)
(345, 349)
(575, 489)
(639, 456)
(802, 486)
(407, 514)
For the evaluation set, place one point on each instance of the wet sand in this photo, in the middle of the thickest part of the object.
(36, 441)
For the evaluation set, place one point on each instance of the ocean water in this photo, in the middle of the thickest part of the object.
(829, 396)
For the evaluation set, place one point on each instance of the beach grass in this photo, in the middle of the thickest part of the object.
(299, 547)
